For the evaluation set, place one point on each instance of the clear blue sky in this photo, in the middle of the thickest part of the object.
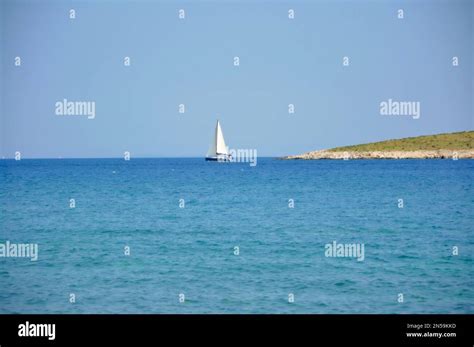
(190, 61)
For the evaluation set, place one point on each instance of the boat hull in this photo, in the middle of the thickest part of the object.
(220, 159)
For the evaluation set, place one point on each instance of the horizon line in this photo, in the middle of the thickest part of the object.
(75, 158)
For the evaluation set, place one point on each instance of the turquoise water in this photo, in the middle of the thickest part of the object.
(190, 250)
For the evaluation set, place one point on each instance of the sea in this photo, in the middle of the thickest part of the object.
(182, 235)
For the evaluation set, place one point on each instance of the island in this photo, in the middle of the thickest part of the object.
(459, 145)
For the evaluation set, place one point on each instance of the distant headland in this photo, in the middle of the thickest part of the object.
(458, 145)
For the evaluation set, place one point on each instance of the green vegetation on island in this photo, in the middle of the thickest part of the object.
(449, 141)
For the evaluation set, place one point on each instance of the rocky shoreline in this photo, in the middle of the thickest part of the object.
(421, 154)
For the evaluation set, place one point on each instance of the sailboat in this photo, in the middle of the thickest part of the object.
(218, 151)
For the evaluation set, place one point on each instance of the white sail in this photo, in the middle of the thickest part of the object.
(218, 150)
(212, 148)
(221, 148)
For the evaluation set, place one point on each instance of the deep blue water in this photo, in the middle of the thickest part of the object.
(190, 250)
